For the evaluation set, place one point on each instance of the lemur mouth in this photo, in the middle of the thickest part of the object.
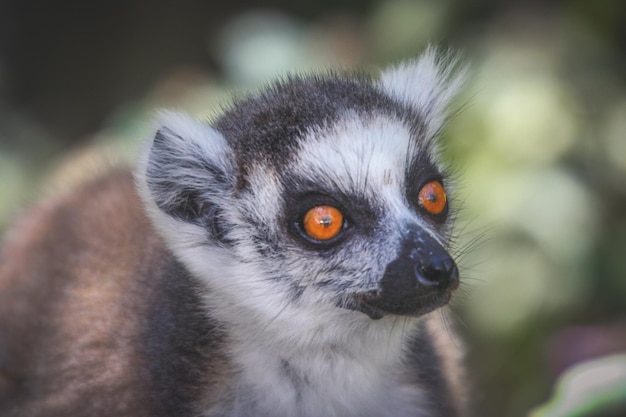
(421, 279)
(376, 304)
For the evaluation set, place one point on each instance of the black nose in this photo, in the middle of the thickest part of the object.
(421, 279)
(436, 272)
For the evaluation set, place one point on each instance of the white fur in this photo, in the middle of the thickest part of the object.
(349, 365)
(428, 84)
(352, 364)
(190, 137)
(368, 157)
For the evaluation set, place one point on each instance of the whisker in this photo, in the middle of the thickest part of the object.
(458, 318)
(393, 326)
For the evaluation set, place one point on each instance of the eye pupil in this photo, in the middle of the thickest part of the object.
(432, 197)
(323, 223)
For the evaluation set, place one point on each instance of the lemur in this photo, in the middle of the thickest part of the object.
(284, 259)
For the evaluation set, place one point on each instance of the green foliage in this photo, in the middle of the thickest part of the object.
(540, 145)
(592, 388)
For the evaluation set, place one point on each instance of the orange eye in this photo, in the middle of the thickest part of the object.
(432, 197)
(323, 222)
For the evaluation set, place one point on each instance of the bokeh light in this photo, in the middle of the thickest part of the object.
(538, 138)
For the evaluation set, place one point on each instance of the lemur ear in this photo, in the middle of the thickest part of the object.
(427, 84)
(186, 169)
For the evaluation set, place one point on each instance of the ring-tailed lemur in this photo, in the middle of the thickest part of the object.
(282, 260)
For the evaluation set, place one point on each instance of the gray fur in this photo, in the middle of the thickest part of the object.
(196, 291)
(351, 141)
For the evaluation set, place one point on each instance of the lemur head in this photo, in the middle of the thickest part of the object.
(320, 192)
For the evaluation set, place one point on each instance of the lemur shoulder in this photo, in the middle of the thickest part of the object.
(288, 258)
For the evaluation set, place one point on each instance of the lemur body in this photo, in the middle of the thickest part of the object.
(206, 290)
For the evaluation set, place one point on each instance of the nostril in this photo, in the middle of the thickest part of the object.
(438, 273)
(427, 276)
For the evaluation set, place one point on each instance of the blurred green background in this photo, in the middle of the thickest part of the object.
(540, 143)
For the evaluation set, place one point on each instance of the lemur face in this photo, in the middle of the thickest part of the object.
(323, 193)
(387, 255)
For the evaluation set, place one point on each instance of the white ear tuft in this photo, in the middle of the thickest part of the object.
(186, 166)
(427, 84)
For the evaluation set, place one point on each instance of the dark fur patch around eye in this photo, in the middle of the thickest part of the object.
(360, 213)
